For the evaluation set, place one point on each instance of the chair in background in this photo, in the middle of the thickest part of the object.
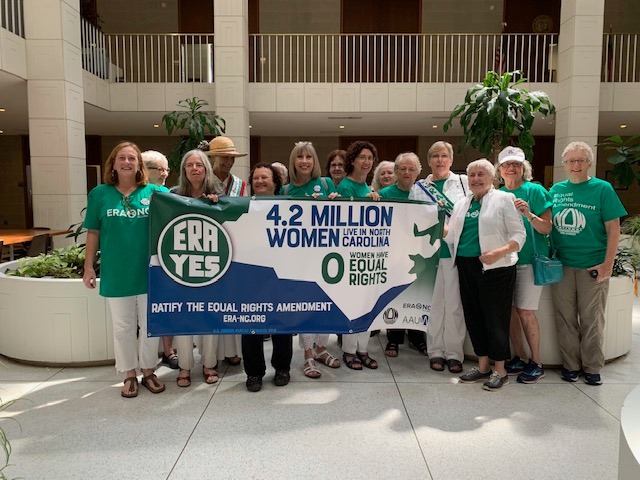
(39, 244)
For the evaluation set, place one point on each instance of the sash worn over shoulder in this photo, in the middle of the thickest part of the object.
(436, 196)
(235, 187)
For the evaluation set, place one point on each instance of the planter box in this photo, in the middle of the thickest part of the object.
(56, 322)
(617, 328)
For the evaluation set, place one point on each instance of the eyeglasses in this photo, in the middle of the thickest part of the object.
(407, 169)
(580, 161)
(162, 169)
(365, 157)
(511, 164)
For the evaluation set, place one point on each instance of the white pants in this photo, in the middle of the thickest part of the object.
(127, 314)
(307, 340)
(446, 330)
(228, 346)
(208, 346)
(355, 342)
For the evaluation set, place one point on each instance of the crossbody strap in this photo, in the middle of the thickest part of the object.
(552, 250)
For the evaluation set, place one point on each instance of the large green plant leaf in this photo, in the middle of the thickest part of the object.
(494, 111)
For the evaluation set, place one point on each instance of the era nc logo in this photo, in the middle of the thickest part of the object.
(194, 250)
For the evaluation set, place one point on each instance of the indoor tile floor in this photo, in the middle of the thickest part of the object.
(402, 421)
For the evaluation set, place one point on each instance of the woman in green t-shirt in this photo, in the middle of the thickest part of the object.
(361, 156)
(406, 169)
(117, 221)
(586, 215)
(304, 172)
(534, 204)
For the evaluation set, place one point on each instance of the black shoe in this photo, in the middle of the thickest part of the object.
(281, 378)
(171, 361)
(254, 384)
(266, 338)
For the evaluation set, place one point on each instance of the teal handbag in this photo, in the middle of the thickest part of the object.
(546, 270)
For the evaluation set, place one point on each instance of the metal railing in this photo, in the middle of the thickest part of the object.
(463, 57)
(620, 57)
(140, 57)
(12, 16)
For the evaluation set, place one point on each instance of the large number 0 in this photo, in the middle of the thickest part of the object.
(274, 214)
(325, 268)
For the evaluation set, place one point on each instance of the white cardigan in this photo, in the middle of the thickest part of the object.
(499, 222)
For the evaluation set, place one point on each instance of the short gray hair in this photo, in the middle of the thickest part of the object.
(412, 157)
(579, 146)
(151, 156)
(483, 163)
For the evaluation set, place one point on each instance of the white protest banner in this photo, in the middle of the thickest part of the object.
(282, 265)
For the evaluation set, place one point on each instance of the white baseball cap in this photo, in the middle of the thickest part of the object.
(511, 154)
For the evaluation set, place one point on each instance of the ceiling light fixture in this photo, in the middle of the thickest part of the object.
(155, 125)
(624, 125)
(2, 110)
(1, 131)
(341, 126)
(434, 126)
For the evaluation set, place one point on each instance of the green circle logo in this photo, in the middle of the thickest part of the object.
(194, 250)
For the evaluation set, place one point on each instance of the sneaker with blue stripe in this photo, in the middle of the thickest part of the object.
(532, 373)
(514, 366)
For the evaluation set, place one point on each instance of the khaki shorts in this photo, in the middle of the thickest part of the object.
(526, 295)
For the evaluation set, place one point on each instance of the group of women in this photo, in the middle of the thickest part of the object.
(484, 284)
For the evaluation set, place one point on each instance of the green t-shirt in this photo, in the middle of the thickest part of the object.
(444, 248)
(469, 245)
(322, 186)
(124, 237)
(539, 202)
(579, 212)
(349, 188)
(392, 191)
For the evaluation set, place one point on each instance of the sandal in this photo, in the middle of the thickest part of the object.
(391, 350)
(132, 391)
(367, 361)
(455, 366)
(151, 383)
(422, 348)
(352, 361)
(328, 359)
(210, 378)
(437, 364)
(183, 380)
(310, 369)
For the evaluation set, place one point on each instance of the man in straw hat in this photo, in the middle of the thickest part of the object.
(222, 153)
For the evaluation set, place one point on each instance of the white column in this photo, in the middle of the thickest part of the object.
(579, 65)
(56, 111)
(231, 60)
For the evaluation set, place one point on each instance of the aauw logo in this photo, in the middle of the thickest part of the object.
(194, 250)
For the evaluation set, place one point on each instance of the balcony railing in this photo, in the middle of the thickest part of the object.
(12, 16)
(620, 58)
(463, 57)
(141, 57)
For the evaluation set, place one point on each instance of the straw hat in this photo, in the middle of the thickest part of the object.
(220, 147)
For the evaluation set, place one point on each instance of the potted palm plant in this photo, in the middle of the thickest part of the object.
(492, 112)
(196, 122)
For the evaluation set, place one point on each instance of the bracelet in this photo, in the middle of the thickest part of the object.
(531, 217)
